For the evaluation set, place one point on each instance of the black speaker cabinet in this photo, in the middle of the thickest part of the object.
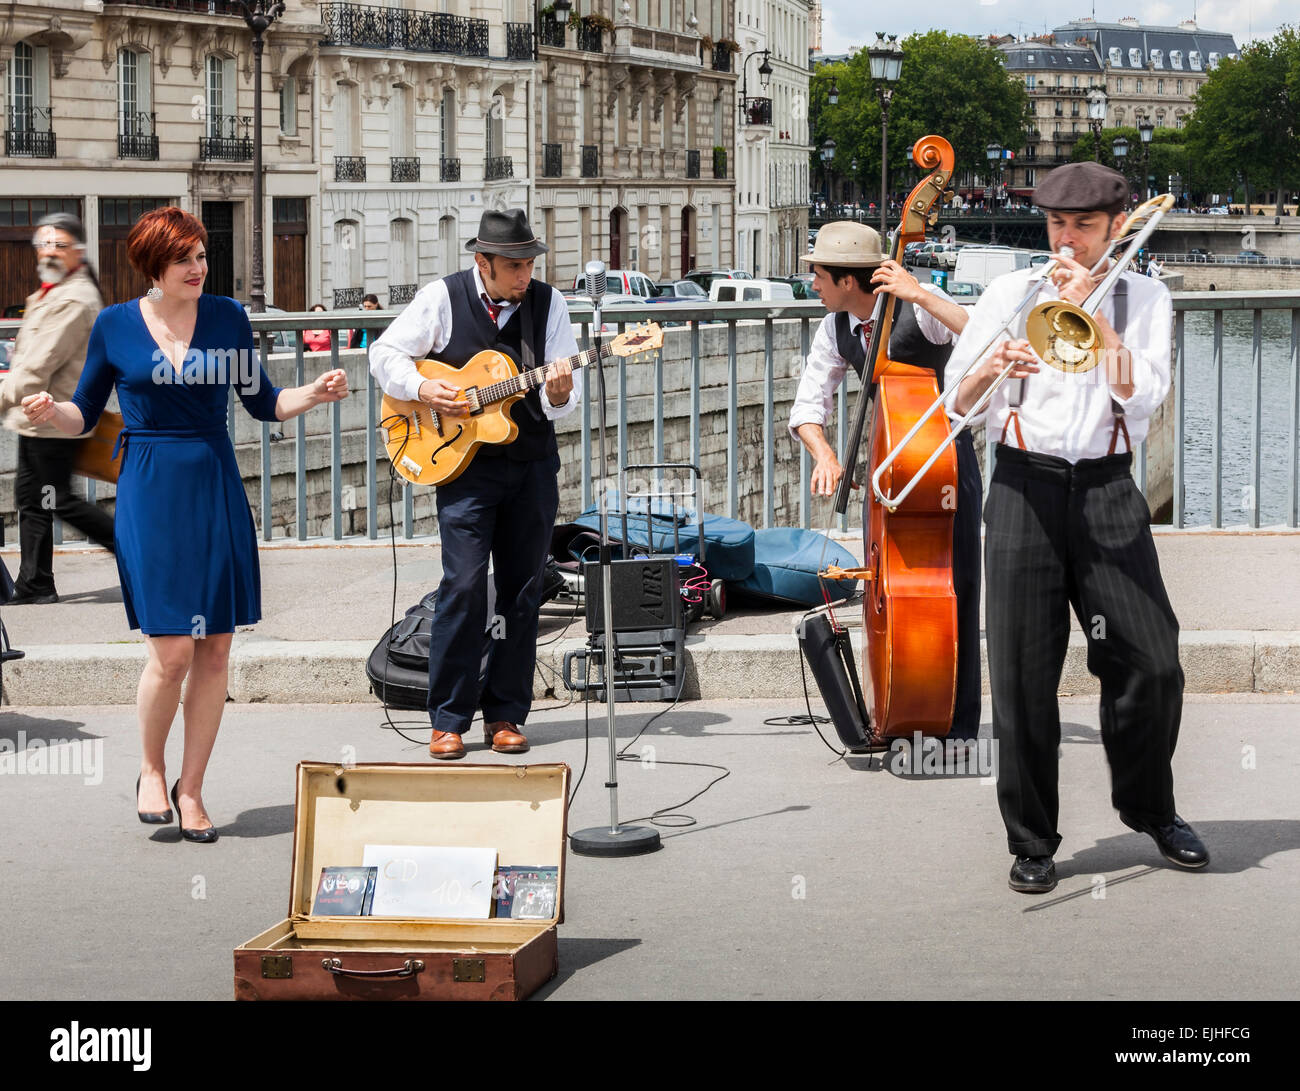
(647, 594)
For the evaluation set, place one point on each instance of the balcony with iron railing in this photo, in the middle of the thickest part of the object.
(349, 168)
(227, 139)
(137, 136)
(404, 168)
(29, 131)
(496, 168)
(374, 27)
(550, 32)
(758, 111)
(348, 298)
(719, 162)
(448, 169)
(590, 161)
(552, 161)
(721, 57)
(590, 38)
(519, 42)
(693, 163)
(401, 294)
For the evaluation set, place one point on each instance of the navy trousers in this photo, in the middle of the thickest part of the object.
(1062, 536)
(504, 510)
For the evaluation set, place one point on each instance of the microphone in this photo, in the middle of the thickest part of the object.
(596, 283)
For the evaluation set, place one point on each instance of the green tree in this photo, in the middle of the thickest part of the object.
(951, 85)
(1247, 119)
(1166, 155)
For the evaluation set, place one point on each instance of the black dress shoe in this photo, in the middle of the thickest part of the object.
(1177, 842)
(1033, 875)
(153, 818)
(201, 837)
(24, 598)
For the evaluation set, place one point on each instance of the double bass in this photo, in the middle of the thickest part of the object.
(909, 605)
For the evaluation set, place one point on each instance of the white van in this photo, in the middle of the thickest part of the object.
(620, 282)
(983, 264)
(750, 291)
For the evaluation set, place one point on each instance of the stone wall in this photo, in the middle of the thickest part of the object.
(1199, 277)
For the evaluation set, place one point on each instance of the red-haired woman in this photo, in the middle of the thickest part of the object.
(186, 545)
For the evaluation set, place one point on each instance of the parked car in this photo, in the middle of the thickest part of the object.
(1252, 257)
(608, 323)
(751, 291)
(983, 264)
(1217, 210)
(681, 290)
(1196, 254)
(806, 280)
(963, 291)
(281, 340)
(705, 278)
(620, 281)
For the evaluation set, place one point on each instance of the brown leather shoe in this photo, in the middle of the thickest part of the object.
(504, 738)
(446, 745)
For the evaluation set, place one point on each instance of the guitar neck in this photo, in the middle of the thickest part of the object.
(533, 378)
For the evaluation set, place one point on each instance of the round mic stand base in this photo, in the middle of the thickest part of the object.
(622, 841)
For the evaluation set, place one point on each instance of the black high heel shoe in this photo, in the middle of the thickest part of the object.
(152, 818)
(202, 837)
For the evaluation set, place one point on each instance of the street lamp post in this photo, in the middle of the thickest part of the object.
(994, 154)
(765, 74)
(1119, 148)
(827, 154)
(1096, 118)
(259, 15)
(886, 59)
(1145, 130)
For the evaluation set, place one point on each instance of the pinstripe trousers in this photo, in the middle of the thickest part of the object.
(1061, 536)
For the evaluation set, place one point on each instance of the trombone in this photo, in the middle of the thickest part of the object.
(1063, 335)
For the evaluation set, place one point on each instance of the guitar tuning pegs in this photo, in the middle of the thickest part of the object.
(933, 218)
(949, 195)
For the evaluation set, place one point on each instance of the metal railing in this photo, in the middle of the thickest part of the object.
(1227, 451)
(758, 111)
(692, 163)
(552, 161)
(590, 38)
(185, 7)
(349, 168)
(519, 42)
(29, 131)
(1204, 258)
(227, 139)
(448, 169)
(397, 28)
(590, 161)
(401, 293)
(344, 298)
(404, 168)
(497, 167)
(137, 136)
(550, 32)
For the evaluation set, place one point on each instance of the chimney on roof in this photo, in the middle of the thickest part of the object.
(1187, 24)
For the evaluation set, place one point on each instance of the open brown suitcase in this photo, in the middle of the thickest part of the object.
(519, 810)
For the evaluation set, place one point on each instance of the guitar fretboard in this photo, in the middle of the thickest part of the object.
(533, 378)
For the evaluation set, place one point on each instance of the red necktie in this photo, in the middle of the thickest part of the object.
(493, 309)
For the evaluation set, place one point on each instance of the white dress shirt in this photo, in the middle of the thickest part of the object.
(1069, 415)
(423, 329)
(824, 371)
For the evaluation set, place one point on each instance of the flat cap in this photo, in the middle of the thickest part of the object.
(1082, 187)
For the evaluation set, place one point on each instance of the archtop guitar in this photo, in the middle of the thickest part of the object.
(427, 448)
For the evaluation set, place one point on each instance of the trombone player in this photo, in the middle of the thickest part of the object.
(1065, 526)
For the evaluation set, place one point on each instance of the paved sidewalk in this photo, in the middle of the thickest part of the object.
(1236, 594)
(803, 877)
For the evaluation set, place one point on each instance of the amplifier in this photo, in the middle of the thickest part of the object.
(646, 593)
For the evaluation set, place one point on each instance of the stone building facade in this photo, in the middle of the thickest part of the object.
(634, 139)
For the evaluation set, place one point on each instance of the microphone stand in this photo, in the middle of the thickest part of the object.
(617, 840)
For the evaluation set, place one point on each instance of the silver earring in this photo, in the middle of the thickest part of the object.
(153, 294)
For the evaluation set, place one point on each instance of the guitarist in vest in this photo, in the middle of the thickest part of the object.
(503, 505)
(848, 269)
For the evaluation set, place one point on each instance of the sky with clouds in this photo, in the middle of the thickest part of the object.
(850, 23)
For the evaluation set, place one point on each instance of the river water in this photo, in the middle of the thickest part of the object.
(1238, 418)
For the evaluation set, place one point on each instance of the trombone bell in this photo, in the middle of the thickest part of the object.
(1064, 336)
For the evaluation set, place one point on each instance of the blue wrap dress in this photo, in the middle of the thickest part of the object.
(186, 544)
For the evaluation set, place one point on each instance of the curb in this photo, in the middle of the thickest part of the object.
(717, 668)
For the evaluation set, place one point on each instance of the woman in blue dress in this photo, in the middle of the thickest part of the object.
(186, 544)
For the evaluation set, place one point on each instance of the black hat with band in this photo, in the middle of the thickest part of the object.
(507, 235)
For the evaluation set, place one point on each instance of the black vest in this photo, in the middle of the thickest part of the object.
(473, 331)
(907, 344)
